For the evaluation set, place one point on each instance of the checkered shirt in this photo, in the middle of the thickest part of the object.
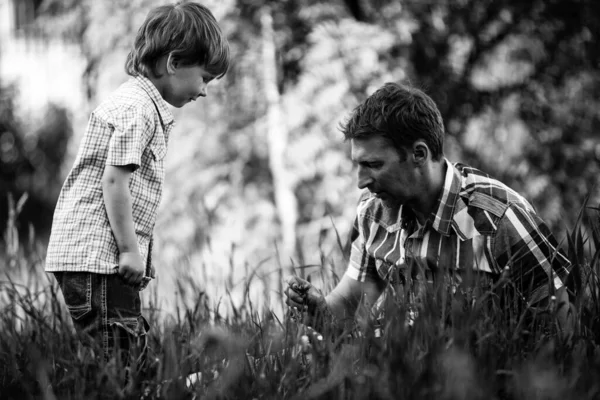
(479, 223)
(130, 128)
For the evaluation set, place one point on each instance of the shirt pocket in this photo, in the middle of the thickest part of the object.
(158, 146)
(389, 226)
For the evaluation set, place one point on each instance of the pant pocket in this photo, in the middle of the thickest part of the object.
(76, 288)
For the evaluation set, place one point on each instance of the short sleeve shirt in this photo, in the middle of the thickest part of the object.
(130, 128)
(479, 223)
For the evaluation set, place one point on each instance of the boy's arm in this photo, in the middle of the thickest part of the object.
(117, 200)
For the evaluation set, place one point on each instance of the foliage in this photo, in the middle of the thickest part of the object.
(457, 347)
(517, 84)
(510, 78)
(31, 162)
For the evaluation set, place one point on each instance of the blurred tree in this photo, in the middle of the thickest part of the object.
(517, 83)
(14, 165)
(31, 163)
(533, 63)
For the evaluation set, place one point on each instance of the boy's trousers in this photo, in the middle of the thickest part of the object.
(106, 311)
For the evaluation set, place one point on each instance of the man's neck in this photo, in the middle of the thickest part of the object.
(425, 204)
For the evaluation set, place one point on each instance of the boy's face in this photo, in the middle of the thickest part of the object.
(185, 84)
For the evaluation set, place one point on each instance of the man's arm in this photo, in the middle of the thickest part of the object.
(338, 307)
(344, 300)
(525, 243)
(117, 201)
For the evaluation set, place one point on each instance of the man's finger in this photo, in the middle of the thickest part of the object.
(295, 280)
(292, 303)
(296, 297)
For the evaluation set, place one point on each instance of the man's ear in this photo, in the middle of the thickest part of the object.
(420, 152)
(172, 64)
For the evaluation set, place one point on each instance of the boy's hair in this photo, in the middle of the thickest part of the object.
(400, 114)
(187, 30)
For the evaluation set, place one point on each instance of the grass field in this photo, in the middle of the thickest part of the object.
(459, 347)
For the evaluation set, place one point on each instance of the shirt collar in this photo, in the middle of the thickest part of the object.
(165, 113)
(446, 203)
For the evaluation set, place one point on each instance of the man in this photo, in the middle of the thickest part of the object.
(423, 217)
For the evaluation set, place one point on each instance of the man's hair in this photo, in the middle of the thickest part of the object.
(187, 30)
(402, 115)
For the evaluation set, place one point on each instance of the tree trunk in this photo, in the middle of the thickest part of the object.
(277, 136)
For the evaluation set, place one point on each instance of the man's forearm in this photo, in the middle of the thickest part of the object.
(340, 306)
(564, 316)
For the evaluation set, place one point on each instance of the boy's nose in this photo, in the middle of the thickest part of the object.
(202, 92)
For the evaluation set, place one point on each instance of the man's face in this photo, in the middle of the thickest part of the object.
(381, 170)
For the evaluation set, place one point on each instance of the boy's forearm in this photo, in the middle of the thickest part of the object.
(118, 204)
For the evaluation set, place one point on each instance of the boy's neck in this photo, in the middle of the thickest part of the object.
(159, 81)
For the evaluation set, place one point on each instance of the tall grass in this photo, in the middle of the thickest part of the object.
(459, 347)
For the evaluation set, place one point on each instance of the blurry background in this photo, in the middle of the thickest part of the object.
(259, 178)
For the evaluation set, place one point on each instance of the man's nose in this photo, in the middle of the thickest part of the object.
(364, 178)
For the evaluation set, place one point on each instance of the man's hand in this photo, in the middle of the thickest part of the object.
(131, 267)
(304, 296)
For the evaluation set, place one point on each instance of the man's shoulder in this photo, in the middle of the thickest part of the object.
(482, 192)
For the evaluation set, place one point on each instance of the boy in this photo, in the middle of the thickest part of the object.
(101, 241)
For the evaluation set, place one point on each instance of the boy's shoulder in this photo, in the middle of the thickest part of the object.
(137, 96)
(127, 97)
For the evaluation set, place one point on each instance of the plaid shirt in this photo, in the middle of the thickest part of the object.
(479, 223)
(130, 128)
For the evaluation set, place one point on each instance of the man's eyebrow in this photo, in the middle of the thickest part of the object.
(365, 161)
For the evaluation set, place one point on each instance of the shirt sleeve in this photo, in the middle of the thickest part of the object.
(361, 266)
(133, 130)
(524, 243)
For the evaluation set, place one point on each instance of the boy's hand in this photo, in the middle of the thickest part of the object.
(131, 267)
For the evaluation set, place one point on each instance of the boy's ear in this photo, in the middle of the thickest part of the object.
(172, 64)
